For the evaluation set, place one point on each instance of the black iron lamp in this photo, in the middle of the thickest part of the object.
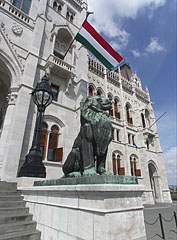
(42, 97)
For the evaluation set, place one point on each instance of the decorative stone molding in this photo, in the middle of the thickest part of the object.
(12, 96)
(11, 46)
(17, 29)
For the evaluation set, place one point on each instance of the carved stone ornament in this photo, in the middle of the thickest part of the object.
(17, 29)
(12, 97)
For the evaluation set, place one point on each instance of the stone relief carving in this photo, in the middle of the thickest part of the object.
(11, 46)
(12, 97)
(17, 29)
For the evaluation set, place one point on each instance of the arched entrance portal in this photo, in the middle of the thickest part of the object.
(154, 181)
(4, 88)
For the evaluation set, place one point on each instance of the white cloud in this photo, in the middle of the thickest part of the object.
(154, 46)
(170, 157)
(109, 15)
(171, 164)
(136, 53)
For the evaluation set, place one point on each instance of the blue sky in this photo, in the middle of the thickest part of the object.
(144, 33)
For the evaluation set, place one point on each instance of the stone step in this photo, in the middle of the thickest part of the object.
(28, 235)
(8, 185)
(17, 227)
(12, 211)
(7, 193)
(7, 204)
(16, 218)
(11, 198)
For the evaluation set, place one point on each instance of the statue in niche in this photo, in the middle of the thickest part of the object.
(88, 154)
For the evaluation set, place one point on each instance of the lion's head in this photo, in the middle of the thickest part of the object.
(94, 109)
(101, 103)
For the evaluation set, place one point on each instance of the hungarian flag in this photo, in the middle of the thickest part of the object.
(98, 46)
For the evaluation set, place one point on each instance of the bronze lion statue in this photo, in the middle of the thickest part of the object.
(88, 154)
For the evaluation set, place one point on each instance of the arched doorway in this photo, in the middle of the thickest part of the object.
(4, 89)
(154, 181)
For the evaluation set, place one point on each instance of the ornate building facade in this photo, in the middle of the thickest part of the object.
(34, 36)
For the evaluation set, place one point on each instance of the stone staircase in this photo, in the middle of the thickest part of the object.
(15, 221)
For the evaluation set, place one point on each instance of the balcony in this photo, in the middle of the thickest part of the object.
(58, 66)
(148, 132)
(96, 67)
(127, 86)
(113, 78)
(141, 95)
(15, 12)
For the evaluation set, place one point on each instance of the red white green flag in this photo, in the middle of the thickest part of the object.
(94, 42)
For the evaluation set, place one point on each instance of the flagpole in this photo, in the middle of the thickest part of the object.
(158, 119)
(87, 14)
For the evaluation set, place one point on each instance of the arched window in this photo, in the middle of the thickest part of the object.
(99, 92)
(55, 6)
(133, 166)
(43, 143)
(71, 19)
(147, 118)
(129, 119)
(143, 120)
(23, 5)
(59, 8)
(54, 153)
(67, 15)
(117, 113)
(91, 91)
(116, 162)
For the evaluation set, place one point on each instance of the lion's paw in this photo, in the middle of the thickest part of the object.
(74, 174)
(89, 172)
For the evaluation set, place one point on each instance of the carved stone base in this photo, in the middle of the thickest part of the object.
(103, 179)
(87, 212)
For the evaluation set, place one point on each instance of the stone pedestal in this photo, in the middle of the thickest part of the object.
(87, 211)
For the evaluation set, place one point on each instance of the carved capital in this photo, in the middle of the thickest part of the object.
(12, 97)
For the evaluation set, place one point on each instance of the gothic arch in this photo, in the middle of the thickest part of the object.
(154, 179)
(54, 119)
(10, 68)
(100, 92)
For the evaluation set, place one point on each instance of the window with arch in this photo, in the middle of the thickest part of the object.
(147, 117)
(55, 5)
(133, 166)
(23, 5)
(70, 16)
(116, 163)
(143, 120)
(99, 92)
(44, 135)
(128, 115)
(49, 143)
(116, 111)
(91, 91)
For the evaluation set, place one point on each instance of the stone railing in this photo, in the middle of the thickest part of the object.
(127, 85)
(95, 67)
(141, 94)
(59, 62)
(6, 6)
(113, 77)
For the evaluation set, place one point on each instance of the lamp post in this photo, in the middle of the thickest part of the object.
(33, 166)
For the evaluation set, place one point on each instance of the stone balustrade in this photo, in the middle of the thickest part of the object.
(6, 6)
(113, 77)
(59, 62)
(141, 94)
(96, 67)
(127, 85)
